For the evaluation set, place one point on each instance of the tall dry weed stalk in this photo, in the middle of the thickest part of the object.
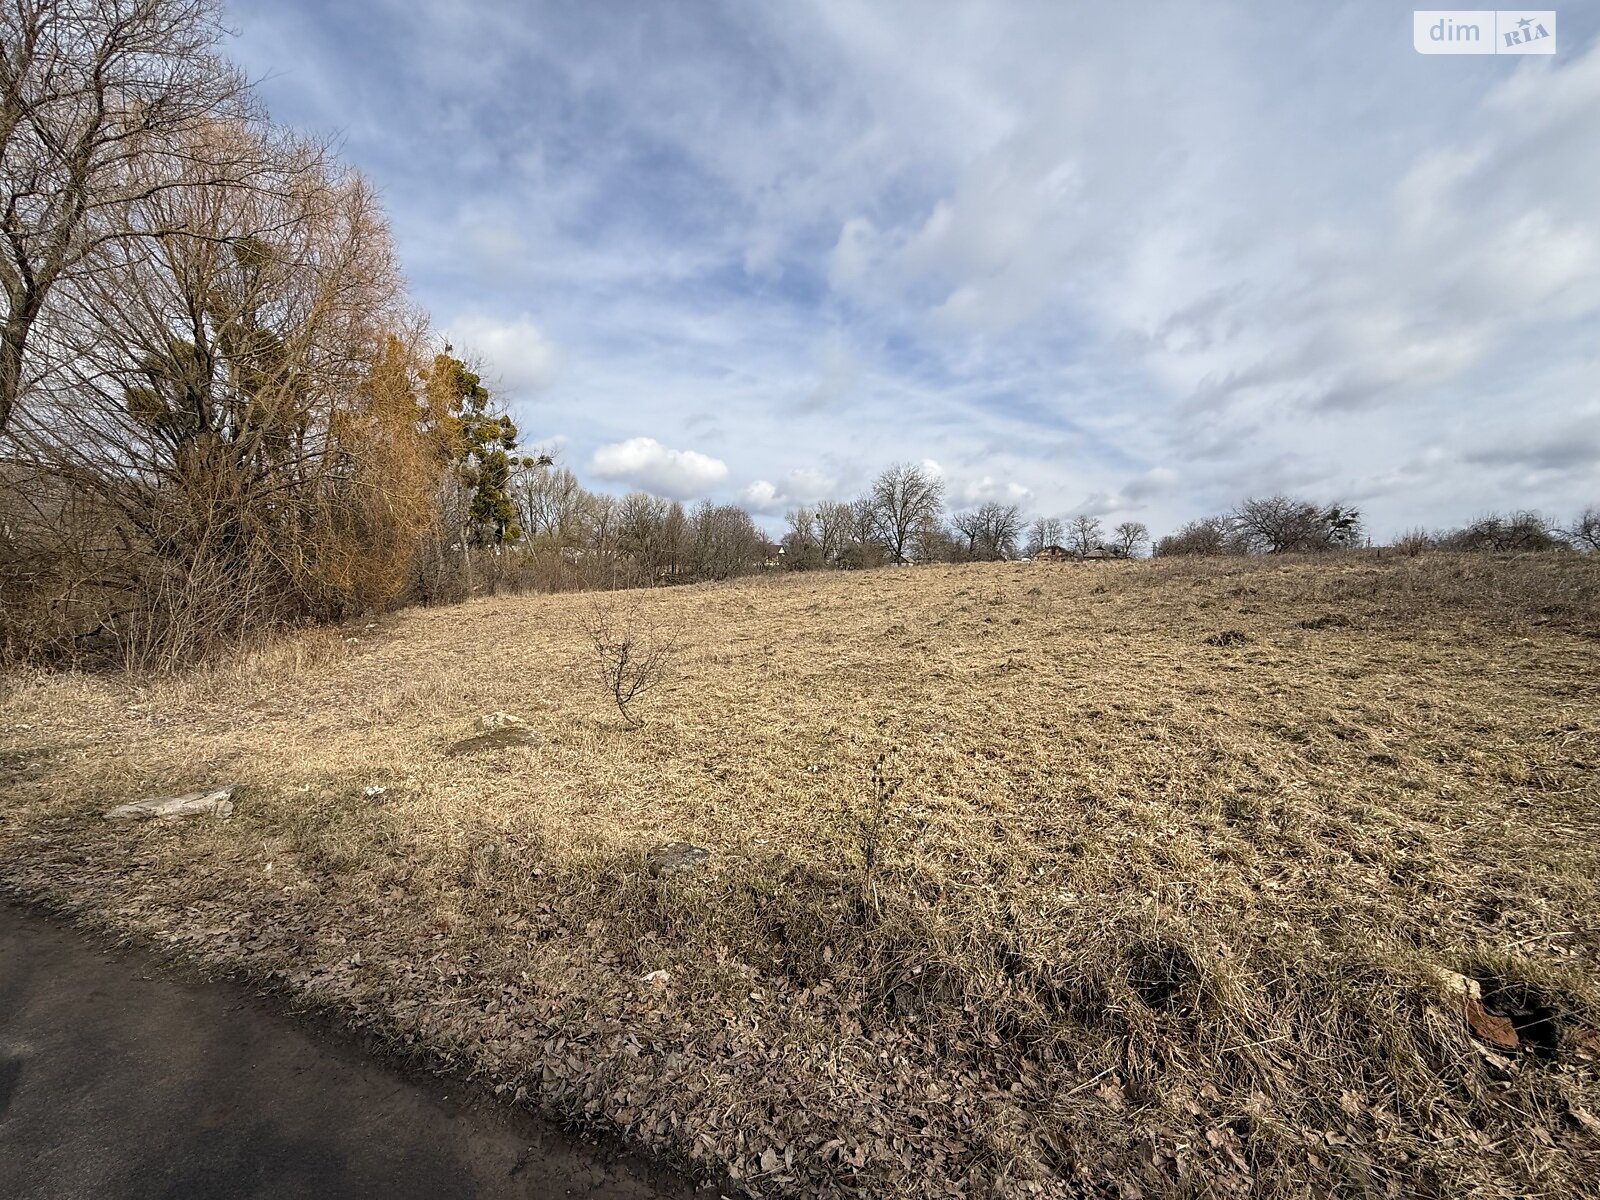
(869, 819)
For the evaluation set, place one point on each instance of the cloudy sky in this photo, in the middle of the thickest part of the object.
(1136, 260)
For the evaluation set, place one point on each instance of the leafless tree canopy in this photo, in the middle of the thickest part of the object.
(1045, 531)
(1084, 534)
(1282, 524)
(989, 533)
(103, 104)
(905, 497)
(1523, 530)
(1128, 538)
(216, 408)
(1206, 536)
(1585, 531)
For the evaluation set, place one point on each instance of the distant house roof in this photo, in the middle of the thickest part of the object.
(1095, 554)
(1052, 554)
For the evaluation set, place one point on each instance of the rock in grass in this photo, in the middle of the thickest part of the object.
(676, 858)
(501, 731)
(489, 722)
(1488, 1027)
(217, 802)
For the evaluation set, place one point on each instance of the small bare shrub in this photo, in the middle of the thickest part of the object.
(1414, 542)
(1585, 531)
(632, 653)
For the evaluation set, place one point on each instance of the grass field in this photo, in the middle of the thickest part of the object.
(1024, 880)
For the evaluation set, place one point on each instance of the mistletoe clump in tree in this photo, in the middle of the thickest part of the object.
(485, 440)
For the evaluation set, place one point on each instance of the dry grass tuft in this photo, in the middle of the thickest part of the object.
(1017, 886)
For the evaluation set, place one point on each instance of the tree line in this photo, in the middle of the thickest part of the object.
(1280, 524)
(901, 519)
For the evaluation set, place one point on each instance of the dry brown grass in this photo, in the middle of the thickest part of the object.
(1145, 915)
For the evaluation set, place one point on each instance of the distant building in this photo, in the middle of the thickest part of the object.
(1094, 555)
(1053, 554)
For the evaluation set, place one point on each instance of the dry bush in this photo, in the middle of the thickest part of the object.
(632, 652)
(1522, 531)
(1584, 533)
(209, 609)
(1414, 542)
(1207, 537)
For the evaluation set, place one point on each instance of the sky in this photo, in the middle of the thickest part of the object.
(1138, 261)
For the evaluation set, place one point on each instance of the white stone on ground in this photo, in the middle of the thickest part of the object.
(217, 802)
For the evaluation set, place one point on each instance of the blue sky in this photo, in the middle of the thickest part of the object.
(1137, 260)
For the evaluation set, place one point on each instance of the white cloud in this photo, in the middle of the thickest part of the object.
(762, 497)
(515, 354)
(645, 463)
(804, 485)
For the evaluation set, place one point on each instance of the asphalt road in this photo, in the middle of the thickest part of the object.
(119, 1079)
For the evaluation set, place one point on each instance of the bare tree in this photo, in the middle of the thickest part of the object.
(836, 525)
(1128, 538)
(818, 536)
(863, 544)
(1280, 524)
(1084, 534)
(631, 654)
(1525, 530)
(600, 517)
(676, 538)
(1046, 531)
(103, 106)
(1275, 524)
(904, 497)
(641, 520)
(244, 398)
(939, 544)
(802, 549)
(1585, 531)
(990, 531)
(1207, 536)
(550, 504)
(969, 527)
(724, 541)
